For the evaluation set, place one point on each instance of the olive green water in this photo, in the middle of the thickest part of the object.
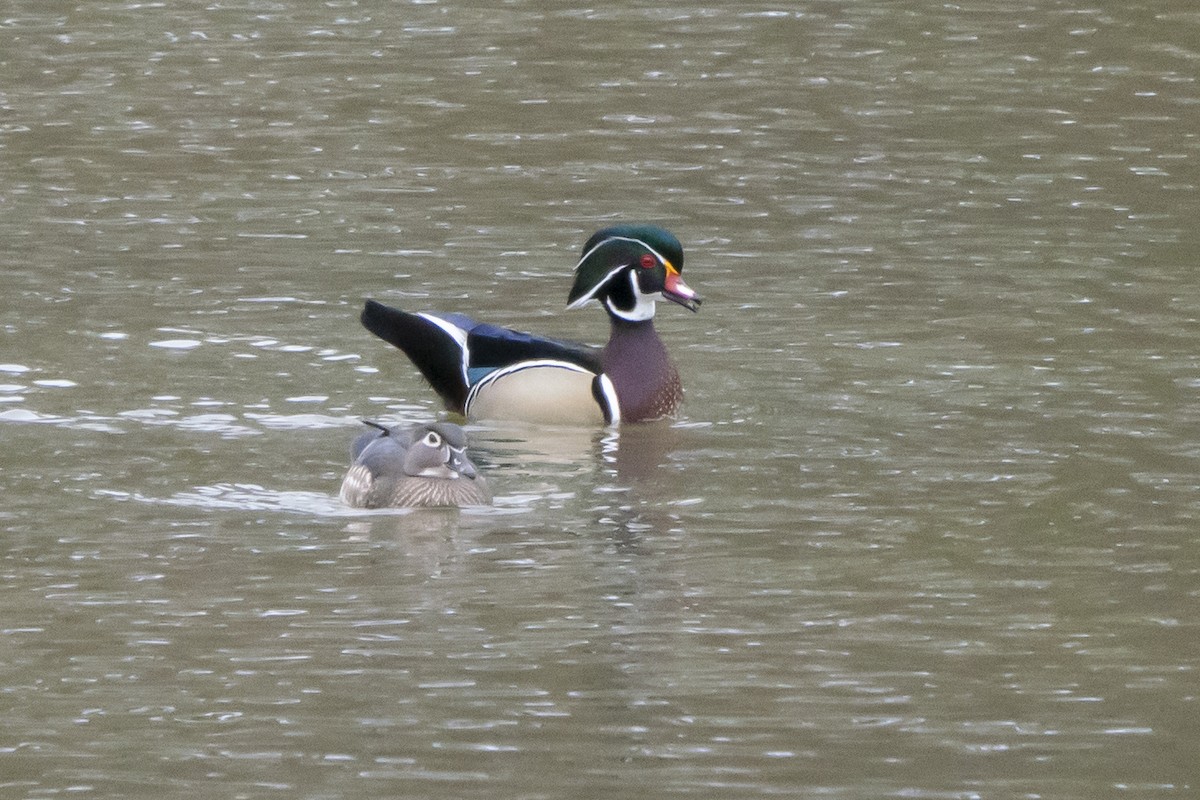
(928, 526)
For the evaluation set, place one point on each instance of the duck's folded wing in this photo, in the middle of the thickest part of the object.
(492, 347)
(454, 352)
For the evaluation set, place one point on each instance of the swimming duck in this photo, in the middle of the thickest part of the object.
(426, 465)
(484, 371)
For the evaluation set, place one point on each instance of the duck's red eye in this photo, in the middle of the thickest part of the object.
(648, 261)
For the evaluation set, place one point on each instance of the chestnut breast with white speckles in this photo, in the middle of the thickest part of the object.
(646, 380)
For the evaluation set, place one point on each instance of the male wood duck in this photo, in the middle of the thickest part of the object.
(426, 465)
(484, 371)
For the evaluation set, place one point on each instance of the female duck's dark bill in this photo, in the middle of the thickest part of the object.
(675, 290)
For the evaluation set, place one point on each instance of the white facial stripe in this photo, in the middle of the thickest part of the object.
(622, 239)
(592, 294)
(645, 303)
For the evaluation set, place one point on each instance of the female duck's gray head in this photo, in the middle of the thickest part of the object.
(426, 465)
(625, 268)
(440, 452)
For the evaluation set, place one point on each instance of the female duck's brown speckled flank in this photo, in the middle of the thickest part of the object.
(426, 465)
(487, 372)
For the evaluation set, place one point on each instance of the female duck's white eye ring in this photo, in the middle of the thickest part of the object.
(432, 439)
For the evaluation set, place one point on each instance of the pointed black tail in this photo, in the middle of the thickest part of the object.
(434, 351)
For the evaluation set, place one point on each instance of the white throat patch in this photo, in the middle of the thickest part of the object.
(642, 310)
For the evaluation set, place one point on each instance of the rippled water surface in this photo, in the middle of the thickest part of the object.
(927, 527)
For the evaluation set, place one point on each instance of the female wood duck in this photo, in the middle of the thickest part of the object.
(484, 371)
(426, 465)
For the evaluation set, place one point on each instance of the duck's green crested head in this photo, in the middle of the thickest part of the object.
(624, 267)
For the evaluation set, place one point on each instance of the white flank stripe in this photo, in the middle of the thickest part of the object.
(610, 395)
